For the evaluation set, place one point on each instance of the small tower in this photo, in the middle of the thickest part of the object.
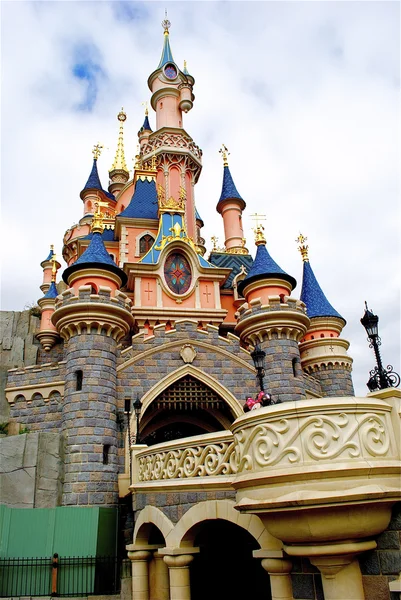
(323, 352)
(92, 316)
(276, 321)
(48, 333)
(119, 173)
(145, 130)
(230, 206)
(47, 266)
(93, 190)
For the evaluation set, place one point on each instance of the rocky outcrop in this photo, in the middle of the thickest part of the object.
(31, 470)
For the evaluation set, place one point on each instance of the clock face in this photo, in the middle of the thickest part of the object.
(177, 272)
(170, 71)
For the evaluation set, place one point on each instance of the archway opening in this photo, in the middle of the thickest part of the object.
(226, 558)
(185, 408)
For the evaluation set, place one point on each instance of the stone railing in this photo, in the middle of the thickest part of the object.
(209, 455)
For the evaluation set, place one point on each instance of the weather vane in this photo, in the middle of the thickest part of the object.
(303, 248)
(97, 150)
(166, 23)
(224, 152)
(145, 104)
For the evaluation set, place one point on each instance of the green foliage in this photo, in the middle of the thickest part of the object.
(4, 428)
(34, 309)
(24, 430)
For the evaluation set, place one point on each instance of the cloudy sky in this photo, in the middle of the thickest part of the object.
(305, 95)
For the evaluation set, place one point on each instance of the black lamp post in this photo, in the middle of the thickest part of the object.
(127, 411)
(137, 409)
(258, 357)
(380, 378)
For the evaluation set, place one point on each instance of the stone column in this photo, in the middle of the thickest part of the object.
(280, 578)
(158, 578)
(140, 575)
(341, 577)
(180, 585)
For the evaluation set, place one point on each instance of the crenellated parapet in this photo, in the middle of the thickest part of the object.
(107, 313)
(279, 318)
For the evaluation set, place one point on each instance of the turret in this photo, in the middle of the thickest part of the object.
(276, 321)
(48, 333)
(119, 173)
(92, 315)
(145, 130)
(230, 206)
(47, 266)
(93, 190)
(323, 352)
(171, 88)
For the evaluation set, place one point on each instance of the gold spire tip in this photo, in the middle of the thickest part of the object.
(303, 248)
(166, 23)
(97, 150)
(145, 104)
(224, 152)
(97, 222)
(122, 116)
(54, 267)
(259, 235)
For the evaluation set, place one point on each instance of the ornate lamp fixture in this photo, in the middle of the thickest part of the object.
(380, 378)
(258, 357)
(137, 409)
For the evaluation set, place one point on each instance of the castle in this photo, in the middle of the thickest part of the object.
(146, 362)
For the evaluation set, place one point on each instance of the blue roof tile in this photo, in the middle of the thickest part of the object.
(167, 55)
(146, 125)
(144, 203)
(198, 217)
(264, 267)
(228, 190)
(312, 294)
(107, 235)
(231, 261)
(50, 256)
(52, 291)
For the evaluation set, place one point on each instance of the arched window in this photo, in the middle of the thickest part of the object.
(145, 243)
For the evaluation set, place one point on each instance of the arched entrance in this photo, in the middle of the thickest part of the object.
(225, 567)
(185, 408)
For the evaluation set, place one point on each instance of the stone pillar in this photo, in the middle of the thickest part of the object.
(140, 576)
(158, 578)
(89, 421)
(180, 585)
(280, 578)
(341, 577)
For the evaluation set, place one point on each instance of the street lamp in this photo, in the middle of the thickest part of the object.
(258, 357)
(137, 409)
(380, 378)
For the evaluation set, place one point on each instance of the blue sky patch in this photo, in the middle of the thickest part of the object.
(87, 67)
(129, 11)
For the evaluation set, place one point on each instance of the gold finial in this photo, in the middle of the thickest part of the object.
(303, 248)
(259, 235)
(166, 23)
(185, 64)
(97, 150)
(176, 230)
(145, 104)
(224, 152)
(52, 247)
(214, 239)
(257, 218)
(137, 163)
(54, 266)
(119, 161)
(97, 223)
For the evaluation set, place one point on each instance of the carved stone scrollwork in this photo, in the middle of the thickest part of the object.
(198, 461)
(317, 438)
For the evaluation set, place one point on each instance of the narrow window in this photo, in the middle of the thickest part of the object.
(322, 335)
(145, 244)
(78, 380)
(106, 448)
(294, 367)
(282, 300)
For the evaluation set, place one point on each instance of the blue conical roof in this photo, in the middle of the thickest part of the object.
(50, 256)
(228, 190)
(93, 182)
(198, 217)
(312, 294)
(146, 125)
(96, 256)
(144, 203)
(52, 291)
(167, 55)
(264, 267)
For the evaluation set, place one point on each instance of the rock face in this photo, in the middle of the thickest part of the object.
(31, 470)
(17, 347)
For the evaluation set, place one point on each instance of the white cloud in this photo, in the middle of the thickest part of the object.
(304, 94)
